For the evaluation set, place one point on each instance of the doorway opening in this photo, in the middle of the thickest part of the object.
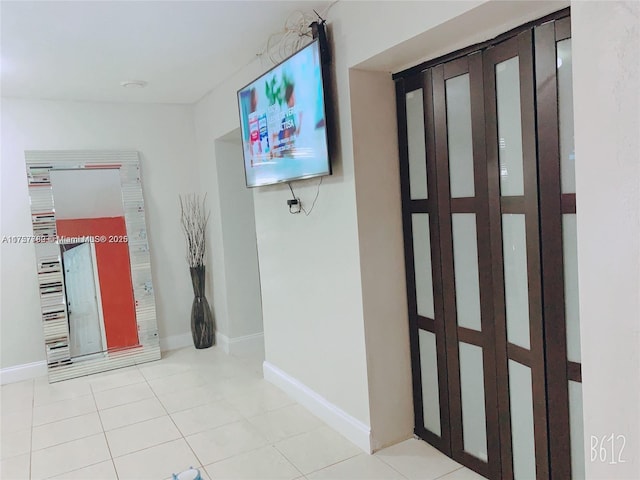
(239, 322)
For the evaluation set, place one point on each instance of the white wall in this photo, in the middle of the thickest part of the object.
(606, 76)
(309, 267)
(164, 136)
(87, 193)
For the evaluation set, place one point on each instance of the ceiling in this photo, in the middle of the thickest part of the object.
(83, 50)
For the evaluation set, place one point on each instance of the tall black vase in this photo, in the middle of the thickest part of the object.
(202, 326)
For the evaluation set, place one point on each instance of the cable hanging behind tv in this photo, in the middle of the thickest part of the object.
(283, 117)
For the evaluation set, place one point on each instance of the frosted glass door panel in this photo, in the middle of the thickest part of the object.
(474, 423)
(459, 136)
(465, 260)
(577, 431)
(416, 145)
(429, 375)
(509, 127)
(521, 402)
(565, 117)
(516, 284)
(422, 264)
(572, 314)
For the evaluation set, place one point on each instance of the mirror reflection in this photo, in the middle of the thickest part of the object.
(86, 319)
(93, 242)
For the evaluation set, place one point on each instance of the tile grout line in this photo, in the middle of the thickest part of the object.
(269, 442)
(111, 458)
(62, 443)
(288, 460)
(392, 467)
(32, 427)
(61, 419)
(74, 470)
(323, 425)
(174, 423)
(243, 418)
(104, 433)
(226, 399)
(69, 441)
(135, 422)
(97, 411)
(33, 403)
(395, 469)
(452, 471)
(350, 458)
(317, 470)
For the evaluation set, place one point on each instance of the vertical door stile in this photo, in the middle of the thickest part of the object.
(494, 224)
(552, 264)
(478, 119)
(401, 87)
(440, 327)
(446, 276)
(536, 327)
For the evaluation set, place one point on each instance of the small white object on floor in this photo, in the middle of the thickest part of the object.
(190, 474)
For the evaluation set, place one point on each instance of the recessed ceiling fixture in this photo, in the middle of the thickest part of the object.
(134, 84)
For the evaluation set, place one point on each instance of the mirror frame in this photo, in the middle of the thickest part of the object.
(61, 366)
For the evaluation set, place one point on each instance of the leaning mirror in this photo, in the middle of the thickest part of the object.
(93, 261)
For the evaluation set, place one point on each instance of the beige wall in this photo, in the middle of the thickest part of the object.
(606, 76)
(164, 136)
(381, 255)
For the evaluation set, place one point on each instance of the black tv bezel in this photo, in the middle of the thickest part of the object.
(323, 52)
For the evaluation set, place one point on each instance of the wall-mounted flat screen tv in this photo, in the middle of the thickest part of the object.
(283, 121)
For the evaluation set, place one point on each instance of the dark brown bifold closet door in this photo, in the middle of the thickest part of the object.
(488, 193)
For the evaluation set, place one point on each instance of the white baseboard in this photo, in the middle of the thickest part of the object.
(223, 342)
(26, 371)
(352, 428)
(174, 342)
(240, 346)
(235, 346)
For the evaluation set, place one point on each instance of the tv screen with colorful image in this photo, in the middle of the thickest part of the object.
(283, 121)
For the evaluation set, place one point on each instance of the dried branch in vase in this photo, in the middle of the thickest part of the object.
(194, 218)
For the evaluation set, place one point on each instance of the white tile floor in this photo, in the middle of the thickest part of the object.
(192, 408)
